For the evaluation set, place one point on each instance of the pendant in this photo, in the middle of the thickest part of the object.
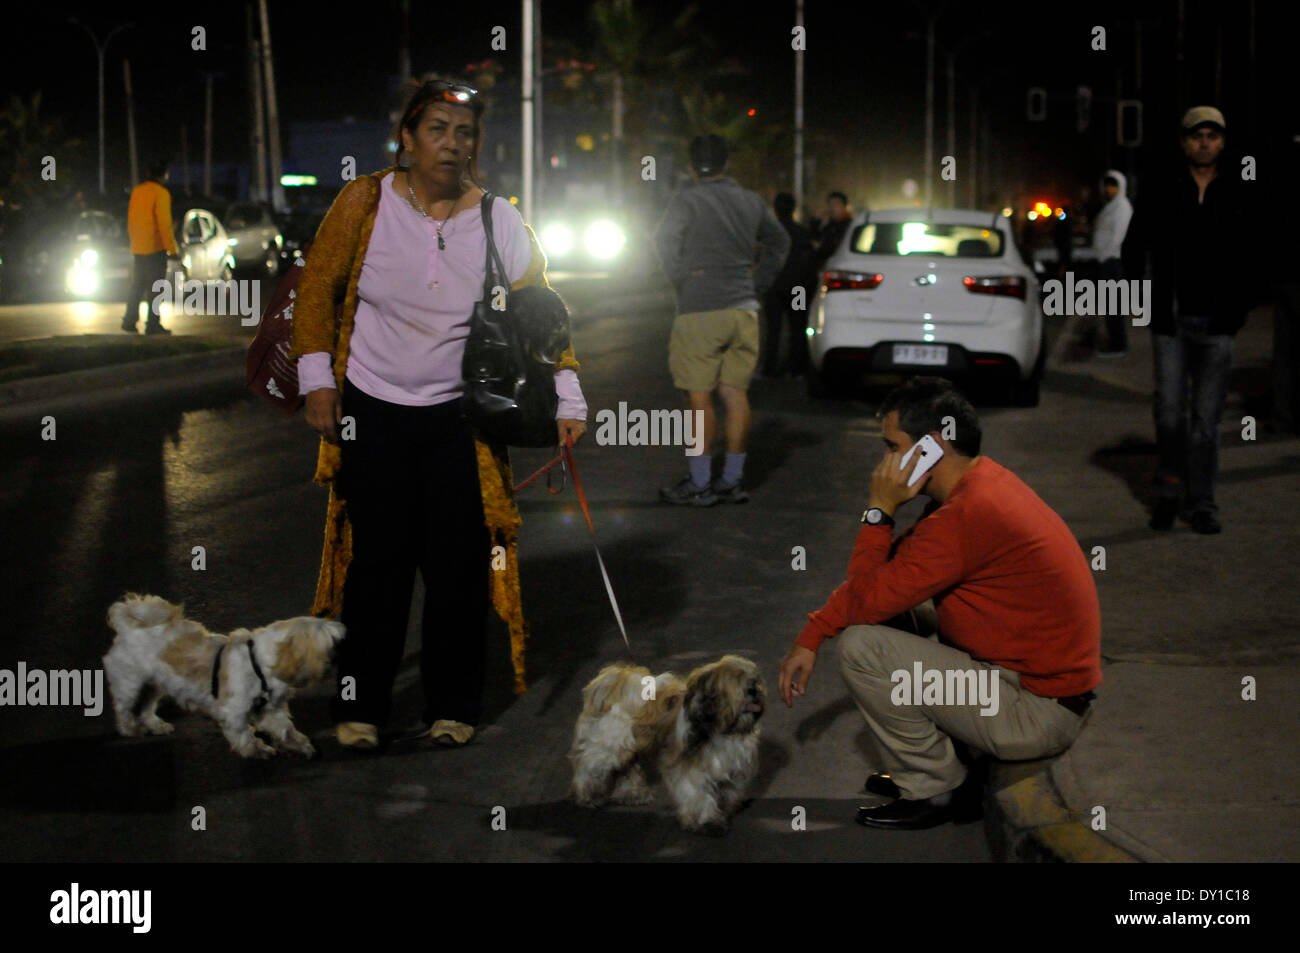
(442, 245)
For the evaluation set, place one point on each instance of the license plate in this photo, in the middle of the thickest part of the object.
(920, 354)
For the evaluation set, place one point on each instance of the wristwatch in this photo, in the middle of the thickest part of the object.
(877, 517)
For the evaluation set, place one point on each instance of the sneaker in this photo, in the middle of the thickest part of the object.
(729, 492)
(1162, 517)
(156, 329)
(1203, 521)
(450, 733)
(130, 328)
(687, 493)
(357, 734)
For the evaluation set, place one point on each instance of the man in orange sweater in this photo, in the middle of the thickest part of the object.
(1014, 608)
(149, 223)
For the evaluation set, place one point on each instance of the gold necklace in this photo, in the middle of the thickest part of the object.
(442, 244)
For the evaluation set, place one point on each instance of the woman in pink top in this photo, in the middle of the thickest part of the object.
(409, 472)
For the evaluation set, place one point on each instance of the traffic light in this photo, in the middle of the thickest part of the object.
(1037, 108)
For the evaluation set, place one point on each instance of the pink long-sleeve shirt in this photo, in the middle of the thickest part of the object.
(414, 303)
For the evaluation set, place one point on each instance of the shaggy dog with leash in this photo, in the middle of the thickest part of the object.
(700, 735)
(242, 680)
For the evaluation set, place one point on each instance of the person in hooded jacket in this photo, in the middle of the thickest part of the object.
(1107, 240)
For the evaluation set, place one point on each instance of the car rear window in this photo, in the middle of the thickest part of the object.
(242, 216)
(927, 238)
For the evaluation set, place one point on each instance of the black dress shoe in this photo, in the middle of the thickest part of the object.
(883, 785)
(1162, 516)
(903, 815)
(1204, 522)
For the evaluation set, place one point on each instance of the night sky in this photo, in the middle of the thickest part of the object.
(865, 71)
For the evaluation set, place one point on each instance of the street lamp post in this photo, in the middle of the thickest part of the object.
(100, 49)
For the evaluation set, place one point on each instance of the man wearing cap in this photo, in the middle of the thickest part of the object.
(721, 248)
(1193, 228)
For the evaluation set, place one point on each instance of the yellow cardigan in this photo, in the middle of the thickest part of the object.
(330, 275)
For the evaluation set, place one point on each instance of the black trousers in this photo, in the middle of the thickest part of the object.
(148, 269)
(410, 481)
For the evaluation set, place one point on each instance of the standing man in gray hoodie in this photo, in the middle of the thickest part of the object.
(1107, 240)
(722, 248)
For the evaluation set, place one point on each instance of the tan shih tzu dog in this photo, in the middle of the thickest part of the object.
(699, 735)
(242, 680)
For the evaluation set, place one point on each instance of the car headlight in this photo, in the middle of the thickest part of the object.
(604, 239)
(89, 258)
(82, 281)
(557, 240)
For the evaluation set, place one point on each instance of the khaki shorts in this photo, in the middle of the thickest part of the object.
(712, 347)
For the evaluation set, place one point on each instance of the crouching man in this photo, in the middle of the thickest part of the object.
(992, 572)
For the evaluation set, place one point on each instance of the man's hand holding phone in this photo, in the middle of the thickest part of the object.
(893, 484)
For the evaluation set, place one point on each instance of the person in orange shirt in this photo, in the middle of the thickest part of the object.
(149, 223)
(997, 576)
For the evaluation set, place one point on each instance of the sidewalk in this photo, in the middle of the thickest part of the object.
(1174, 764)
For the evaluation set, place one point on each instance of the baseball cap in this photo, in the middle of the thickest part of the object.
(708, 154)
(1201, 116)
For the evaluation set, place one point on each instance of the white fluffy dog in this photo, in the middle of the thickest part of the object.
(243, 680)
(700, 735)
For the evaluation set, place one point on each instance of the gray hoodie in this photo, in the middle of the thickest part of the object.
(720, 245)
(1112, 221)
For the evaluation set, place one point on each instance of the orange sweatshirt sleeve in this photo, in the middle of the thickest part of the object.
(324, 279)
(928, 560)
(163, 216)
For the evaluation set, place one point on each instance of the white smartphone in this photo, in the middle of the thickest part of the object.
(930, 452)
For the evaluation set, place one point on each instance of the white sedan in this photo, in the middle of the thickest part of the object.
(939, 291)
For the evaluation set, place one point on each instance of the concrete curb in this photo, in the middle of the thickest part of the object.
(116, 375)
(1027, 820)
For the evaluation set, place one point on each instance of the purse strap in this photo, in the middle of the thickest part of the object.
(494, 262)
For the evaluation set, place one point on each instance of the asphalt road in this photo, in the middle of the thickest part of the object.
(134, 481)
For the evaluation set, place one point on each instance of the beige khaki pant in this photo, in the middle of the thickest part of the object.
(914, 742)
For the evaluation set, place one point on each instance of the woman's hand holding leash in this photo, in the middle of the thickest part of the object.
(570, 428)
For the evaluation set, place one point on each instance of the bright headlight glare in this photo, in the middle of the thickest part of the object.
(604, 239)
(557, 239)
(82, 282)
(89, 258)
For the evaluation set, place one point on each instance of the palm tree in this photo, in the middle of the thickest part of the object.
(26, 138)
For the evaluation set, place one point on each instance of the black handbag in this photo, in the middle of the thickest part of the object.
(510, 356)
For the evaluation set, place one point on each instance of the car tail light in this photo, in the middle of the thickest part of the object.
(1011, 285)
(850, 281)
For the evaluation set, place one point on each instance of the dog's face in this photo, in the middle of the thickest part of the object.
(303, 648)
(725, 697)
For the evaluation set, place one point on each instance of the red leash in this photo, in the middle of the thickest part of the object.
(565, 459)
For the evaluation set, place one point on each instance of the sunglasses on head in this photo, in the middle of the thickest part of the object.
(458, 94)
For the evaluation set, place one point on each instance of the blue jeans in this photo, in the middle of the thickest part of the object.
(1191, 386)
